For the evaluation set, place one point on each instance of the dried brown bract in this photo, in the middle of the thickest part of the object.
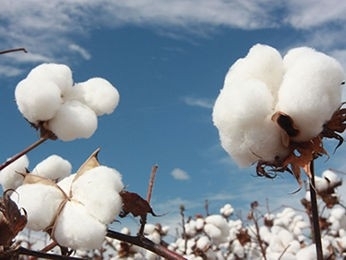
(12, 219)
(301, 154)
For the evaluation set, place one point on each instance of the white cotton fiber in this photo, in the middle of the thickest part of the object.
(66, 183)
(73, 120)
(38, 100)
(242, 114)
(263, 63)
(99, 94)
(332, 177)
(98, 190)
(60, 74)
(53, 167)
(227, 210)
(10, 177)
(76, 229)
(311, 90)
(41, 203)
(217, 228)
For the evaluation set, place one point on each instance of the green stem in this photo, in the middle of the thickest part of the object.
(315, 215)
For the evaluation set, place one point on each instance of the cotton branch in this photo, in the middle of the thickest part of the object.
(25, 151)
(145, 243)
(13, 50)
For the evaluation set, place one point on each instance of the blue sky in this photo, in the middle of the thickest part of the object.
(168, 59)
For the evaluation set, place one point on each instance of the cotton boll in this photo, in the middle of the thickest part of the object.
(60, 74)
(10, 177)
(321, 184)
(99, 94)
(53, 167)
(38, 100)
(73, 120)
(310, 92)
(40, 201)
(76, 229)
(66, 183)
(263, 63)
(199, 224)
(242, 115)
(331, 176)
(98, 190)
(227, 210)
(217, 228)
(203, 243)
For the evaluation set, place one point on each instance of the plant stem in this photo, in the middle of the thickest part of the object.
(315, 216)
(151, 182)
(25, 151)
(13, 50)
(145, 243)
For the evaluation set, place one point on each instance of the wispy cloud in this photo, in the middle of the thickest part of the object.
(80, 50)
(199, 102)
(48, 28)
(180, 174)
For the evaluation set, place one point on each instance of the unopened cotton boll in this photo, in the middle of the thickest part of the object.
(76, 229)
(40, 201)
(10, 177)
(53, 167)
(73, 120)
(38, 100)
(60, 74)
(98, 190)
(310, 91)
(99, 94)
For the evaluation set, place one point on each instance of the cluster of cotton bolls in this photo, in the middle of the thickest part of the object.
(304, 85)
(58, 202)
(48, 96)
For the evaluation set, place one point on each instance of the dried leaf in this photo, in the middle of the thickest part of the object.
(134, 204)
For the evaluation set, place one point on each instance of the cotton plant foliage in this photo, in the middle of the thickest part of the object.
(50, 100)
(270, 103)
(78, 207)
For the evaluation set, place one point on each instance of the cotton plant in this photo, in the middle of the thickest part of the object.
(50, 100)
(91, 197)
(271, 105)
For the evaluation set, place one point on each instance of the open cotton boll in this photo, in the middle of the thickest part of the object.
(40, 201)
(311, 92)
(37, 100)
(53, 167)
(331, 176)
(10, 177)
(98, 190)
(99, 94)
(242, 116)
(263, 63)
(60, 74)
(73, 120)
(76, 229)
(66, 183)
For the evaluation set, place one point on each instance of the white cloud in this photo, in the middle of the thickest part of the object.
(80, 50)
(180, 174)
(48, 28)
(199, 102)
(310, 13)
